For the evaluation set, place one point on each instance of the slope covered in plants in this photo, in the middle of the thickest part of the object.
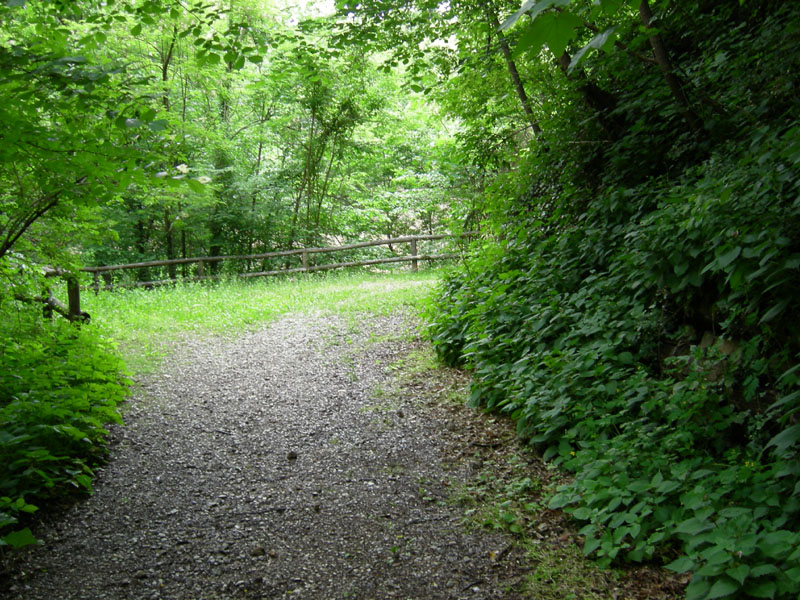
(637, 311)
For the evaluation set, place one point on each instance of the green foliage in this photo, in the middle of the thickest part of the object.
(638, 315)
(674, 445)
(59, 387)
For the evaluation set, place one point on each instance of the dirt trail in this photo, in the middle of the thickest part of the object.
(271, 467)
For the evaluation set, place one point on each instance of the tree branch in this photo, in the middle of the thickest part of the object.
(21, 224)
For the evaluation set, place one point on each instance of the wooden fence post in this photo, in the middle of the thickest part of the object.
(414, 254)
(305, 260)
(200, 269)
(74, 296)
(96, 282)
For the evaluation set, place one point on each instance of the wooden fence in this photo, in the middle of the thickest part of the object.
(73, 311)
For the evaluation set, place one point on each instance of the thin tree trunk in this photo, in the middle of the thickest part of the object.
(170, 242)
(251, 235)
(141, 229)
(662, 58)
(304, 182)
(165, 61)
(512, 69)
(184, 267)
(324, 190)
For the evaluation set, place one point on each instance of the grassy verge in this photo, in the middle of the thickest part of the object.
(146, 323)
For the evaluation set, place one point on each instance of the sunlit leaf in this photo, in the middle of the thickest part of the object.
(533, 8)
(602, 41)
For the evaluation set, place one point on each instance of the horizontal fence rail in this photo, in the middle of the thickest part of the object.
(72, 310)
(299, 251)
(304, 254)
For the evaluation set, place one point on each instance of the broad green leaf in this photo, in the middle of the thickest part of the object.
(728, 257)
(604, 41)
(18, 539)
(532, 39)
(611, 6)
(582, 513)
(793, 574)
(196, 186)
(776, 544)
(590, 545)
(29, 508)
(739, 573)
(724, 586)
(158, 125)
(85, 481)
(534, 8)
(761, 570)
(785, 439)
(681, 565)
(693, 526)
(136, 29)
(667, 486)
(626, 358)
(560, 30)
(775, 311)
(697, 588)
(761, 589)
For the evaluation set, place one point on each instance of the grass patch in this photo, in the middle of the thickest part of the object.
(146, 323)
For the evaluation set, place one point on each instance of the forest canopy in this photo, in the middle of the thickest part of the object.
(145, 130)
(632, 166)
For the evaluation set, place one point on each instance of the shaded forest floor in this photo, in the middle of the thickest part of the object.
(318, 457)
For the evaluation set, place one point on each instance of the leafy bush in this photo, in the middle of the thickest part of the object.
(59, 386)
(639, 319)
(654, 353)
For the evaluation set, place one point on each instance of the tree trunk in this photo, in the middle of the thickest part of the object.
(184, 268)
(662, 58)
(170, 242)
(512, 69)
(166, 58)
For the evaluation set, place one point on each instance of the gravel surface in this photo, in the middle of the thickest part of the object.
(271, 466)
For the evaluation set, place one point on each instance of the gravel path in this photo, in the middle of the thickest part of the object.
(272, 467)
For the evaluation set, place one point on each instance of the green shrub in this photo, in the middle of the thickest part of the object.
(59, 386)
(652, 349)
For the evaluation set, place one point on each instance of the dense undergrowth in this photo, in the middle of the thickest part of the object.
(647, 339)
(60, 386)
